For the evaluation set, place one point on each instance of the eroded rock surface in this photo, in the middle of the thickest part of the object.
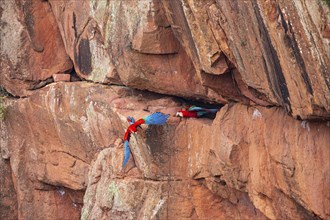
(265, 155)
(264, 152)
(175, 47)
(8, 199)
(31, 49)
(139, 49)
(81, 119)
(58, 131)
(280, 51)
(277, 47)
(164, 197)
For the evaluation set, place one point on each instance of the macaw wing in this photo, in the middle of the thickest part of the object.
(196, 108)
(156, 118)
(127, 153)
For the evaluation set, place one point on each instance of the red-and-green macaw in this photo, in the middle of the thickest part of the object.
(156, 118)
(195, 112)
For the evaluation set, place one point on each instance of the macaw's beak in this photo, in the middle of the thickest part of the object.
(179, 114)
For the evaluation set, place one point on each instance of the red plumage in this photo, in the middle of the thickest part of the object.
(196, 112)
(133, 128)
(188, 114)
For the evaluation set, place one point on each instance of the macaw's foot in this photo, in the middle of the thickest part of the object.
(121, 174)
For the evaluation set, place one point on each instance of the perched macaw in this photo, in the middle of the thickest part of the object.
(195, 112)
(156, 118)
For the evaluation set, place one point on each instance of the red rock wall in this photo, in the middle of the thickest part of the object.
(31, 46)
(8, 199)
(277, 46)
(266, 154)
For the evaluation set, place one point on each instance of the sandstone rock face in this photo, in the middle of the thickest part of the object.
(263, 152)
(280, 51)
(165, 197)
(176, 171)
(31, 49)
(8, 199)
(265, 155)
(54, 169)
(133, 43)
(61, 77)
(57, 131)
(176, 47)
(277, 47)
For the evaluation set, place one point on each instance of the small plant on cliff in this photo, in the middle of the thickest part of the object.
(327, 2)
(3, 95)
(2, 108)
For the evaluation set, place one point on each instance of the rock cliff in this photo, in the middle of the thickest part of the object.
(72, 71)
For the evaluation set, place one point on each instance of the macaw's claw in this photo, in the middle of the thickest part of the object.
(121, 174)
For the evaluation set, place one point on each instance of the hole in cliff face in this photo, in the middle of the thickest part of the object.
(74, 76)
(4, 92)
(41, 83)
(218, 179)
(222, 182)
(200, 103)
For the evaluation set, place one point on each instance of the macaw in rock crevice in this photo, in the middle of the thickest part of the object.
(196, 112)
(156, 118)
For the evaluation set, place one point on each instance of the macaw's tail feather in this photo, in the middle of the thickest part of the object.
(127, 153)
(156, 118)
(196, 108)
(213, 110)
(206, 112)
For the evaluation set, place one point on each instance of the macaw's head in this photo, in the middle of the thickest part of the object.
(130, 119)
(179, 114)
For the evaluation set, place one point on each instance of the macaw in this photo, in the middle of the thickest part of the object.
(195, 112)
(156, 118)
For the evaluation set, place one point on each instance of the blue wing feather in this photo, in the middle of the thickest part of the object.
(127, 153)
(156, 118)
